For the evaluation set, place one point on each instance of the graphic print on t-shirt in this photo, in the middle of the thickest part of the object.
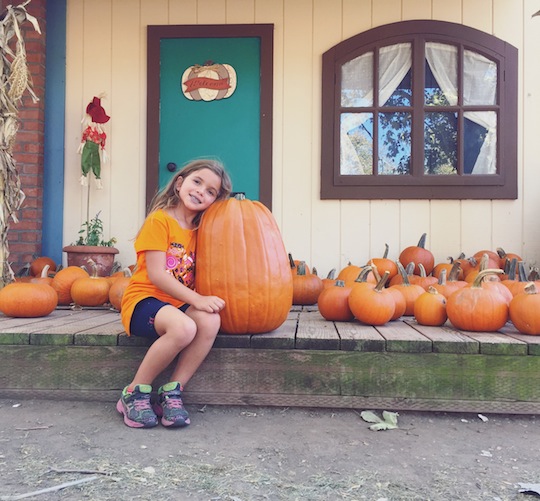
(181, 264)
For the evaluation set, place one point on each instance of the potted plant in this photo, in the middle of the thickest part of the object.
(91, 244)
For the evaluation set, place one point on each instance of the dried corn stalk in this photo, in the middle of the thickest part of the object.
(14, 81)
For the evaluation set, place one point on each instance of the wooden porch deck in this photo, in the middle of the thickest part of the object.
(307, 362)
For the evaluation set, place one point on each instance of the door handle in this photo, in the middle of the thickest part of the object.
(171, 167)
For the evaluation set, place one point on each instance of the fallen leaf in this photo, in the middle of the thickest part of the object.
(389, 421)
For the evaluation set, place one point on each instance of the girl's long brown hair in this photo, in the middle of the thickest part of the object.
(168, 196)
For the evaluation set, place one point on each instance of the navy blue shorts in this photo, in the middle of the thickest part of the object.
(142, 320)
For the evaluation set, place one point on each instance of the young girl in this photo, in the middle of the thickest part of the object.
(160, 302)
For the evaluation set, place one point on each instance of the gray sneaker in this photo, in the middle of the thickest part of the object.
(136, 407)
(170, 406)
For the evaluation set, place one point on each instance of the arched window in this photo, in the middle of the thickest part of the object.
(420, 109)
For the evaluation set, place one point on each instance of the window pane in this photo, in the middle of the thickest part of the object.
(356, 144)
(479, 79)
(357, 81)
(394, 143)
(440, 86)
(480, 142)
(440, 143)
(395, 88)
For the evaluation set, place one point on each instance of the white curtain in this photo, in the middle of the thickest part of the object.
(394, 63)
(479, 87)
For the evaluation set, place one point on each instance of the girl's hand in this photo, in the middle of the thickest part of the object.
(211, 304)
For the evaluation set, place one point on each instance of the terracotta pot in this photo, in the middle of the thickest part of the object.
(78, 255)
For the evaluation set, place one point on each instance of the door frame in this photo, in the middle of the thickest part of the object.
(155, 33)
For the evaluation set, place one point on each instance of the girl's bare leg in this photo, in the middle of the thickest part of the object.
(177, 330)
(193, 355)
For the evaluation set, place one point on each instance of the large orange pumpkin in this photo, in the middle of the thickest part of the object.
(241, 258)
(22, 299)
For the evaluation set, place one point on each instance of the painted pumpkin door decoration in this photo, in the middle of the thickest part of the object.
(242, 259)
(209, 82)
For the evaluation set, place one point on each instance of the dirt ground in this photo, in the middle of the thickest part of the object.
(248, 453)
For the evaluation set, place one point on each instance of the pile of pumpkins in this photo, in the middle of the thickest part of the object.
(45, 288)
(480, 293)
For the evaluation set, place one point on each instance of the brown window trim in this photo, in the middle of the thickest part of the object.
(502, 185)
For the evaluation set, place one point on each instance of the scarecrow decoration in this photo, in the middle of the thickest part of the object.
(92, 147)
(15, 80)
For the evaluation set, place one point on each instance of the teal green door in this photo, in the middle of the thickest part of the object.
(225, 128)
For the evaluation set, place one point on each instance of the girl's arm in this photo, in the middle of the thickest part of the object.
(155, 263)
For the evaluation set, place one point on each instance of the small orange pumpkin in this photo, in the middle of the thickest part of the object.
(63, 280)
(92, 290)
(43, 277)
(306, 286)
(418, 254)
(524, 309)
(25, 300)
(372, 305)
(410, 291)
(478, 308)
(37, 265)
(430, 308)
(385, 264)
(118, 287)
(333, 302)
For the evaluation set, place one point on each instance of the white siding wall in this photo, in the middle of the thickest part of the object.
(106, 52)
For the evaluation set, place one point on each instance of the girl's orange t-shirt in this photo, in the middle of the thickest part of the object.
(160, 232)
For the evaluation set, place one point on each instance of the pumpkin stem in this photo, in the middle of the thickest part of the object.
(534, 274)
(454, 272)
(501, 252)
(375, 271)
(93, 267)
(45, 271)
(382, 282)
(483, 262)
(522, 275)
(385, 255)
(477, 283)
(331, 274)
(314, 271)
(403, 273)
(422, 241)
(291, 261)
(240, 196)
(422, 270)
(510, 268)
(340, 283)
(442, 277)
(364, 272)
(530, 288)
(301, 268)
